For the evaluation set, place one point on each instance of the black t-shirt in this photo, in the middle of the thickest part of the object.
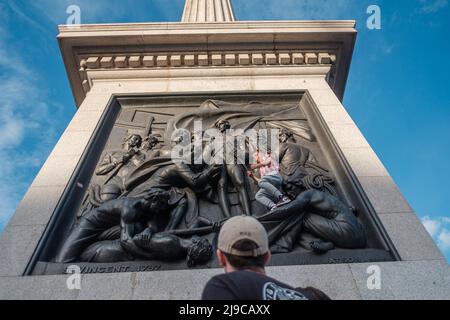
(247, 285)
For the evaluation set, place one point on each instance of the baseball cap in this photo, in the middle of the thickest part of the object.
(243, 228)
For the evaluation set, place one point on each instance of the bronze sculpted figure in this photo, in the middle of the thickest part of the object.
(144, 205)
(300, 169)
(233, 172)
(115, 167)
(118, 164)
(143, 222)
(151, 146)
(316, 220)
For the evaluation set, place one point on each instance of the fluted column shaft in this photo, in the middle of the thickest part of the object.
(208, 11)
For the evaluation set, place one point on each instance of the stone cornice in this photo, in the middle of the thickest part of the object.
(149, 46)
(193, 59)
(150, 27)
(134, 63)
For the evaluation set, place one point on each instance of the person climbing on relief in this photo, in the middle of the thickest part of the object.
(269, 181)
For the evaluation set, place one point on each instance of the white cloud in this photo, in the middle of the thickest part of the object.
(27, 129)
(439, 229)
(22, 15)
(444, 239)
(11, 132)
(431, 225)
(30, 121)
(432, 6)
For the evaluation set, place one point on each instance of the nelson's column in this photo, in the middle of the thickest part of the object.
(137, 84)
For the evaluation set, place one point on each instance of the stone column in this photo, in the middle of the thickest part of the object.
(208, 11)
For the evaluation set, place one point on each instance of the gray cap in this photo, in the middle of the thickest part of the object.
(243, 228)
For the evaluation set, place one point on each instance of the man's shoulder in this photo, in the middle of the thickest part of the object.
(271, 288)
(219, 287)
(236, 278)
(229, 276)
(255, 286)
(243, 279)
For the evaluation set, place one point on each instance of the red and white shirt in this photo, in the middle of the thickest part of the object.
(273, 168)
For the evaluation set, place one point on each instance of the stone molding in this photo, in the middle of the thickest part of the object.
(271, 45)
(201, 60)
(204, 60)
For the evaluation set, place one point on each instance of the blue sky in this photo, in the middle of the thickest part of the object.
(398, 90)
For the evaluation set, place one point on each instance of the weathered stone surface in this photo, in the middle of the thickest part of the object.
(134, 61)
(56, 171)
(17, 244)
(335, 114)
(311, 58)
(400, 280)
(324, 58)
(162, 61)
(257, 59)
(417, 280)
(285, 83)
(205, 37)
(107, 62)
(324, 97)
(85, 120)
(93, 63)
(284, 58)
(175, 61)
(244, 59)
(86, 85)
(114, 286)
(230, 59)
(348, 136)
(191, 282)
(120, 62)
(72, 143)
(271, 58)
(37, 206)
(334, 280)
(410, 238)
(94, 102)
(147, 285)
(384, 195)
(365, 162)
(189, 60)
(298, 58)
(203, 60)
(148, 61)
(216, 59)
(36, 288)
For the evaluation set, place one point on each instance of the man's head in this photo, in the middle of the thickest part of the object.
(223, 125)
(243, 245)
(151, 141)
(134, 140)
(200, 252)
(156, 200)
(285, 135)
